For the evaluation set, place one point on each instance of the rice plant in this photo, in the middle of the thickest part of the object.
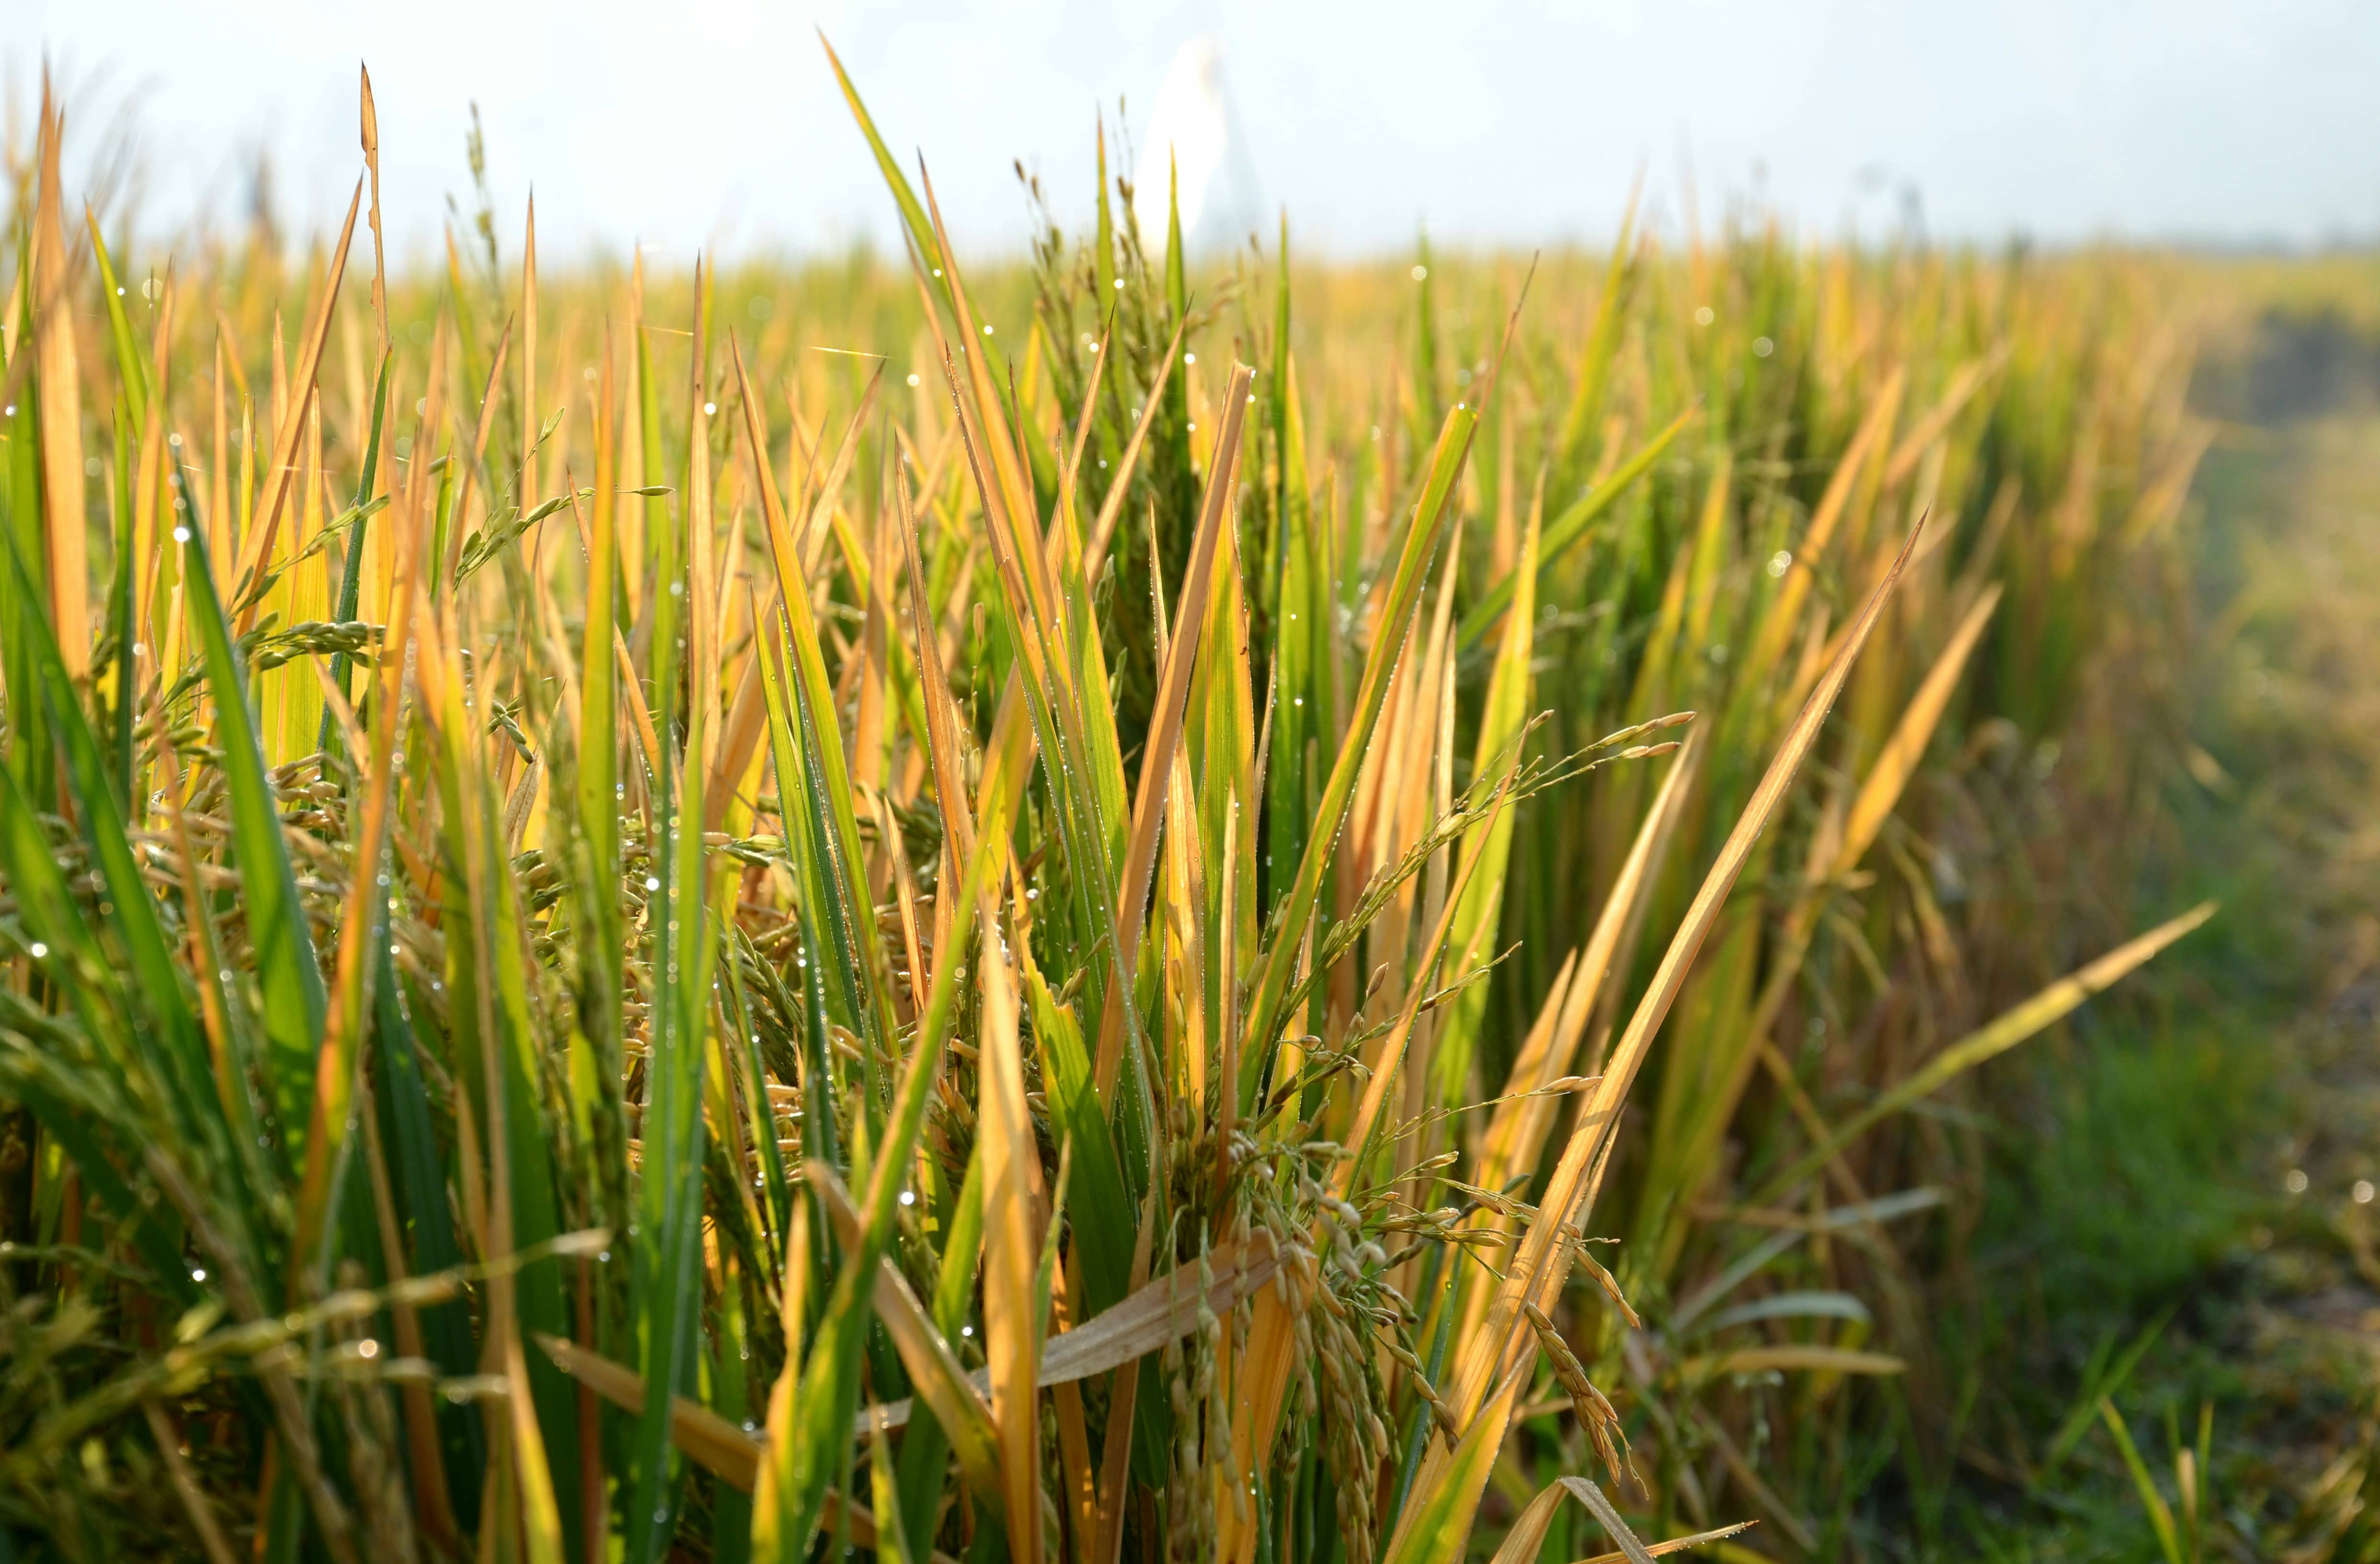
(1136, 911)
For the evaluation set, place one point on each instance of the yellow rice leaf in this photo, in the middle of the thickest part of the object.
(1011, 1250)
(1898, 760)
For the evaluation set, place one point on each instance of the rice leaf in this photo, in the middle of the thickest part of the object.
(295, 1004)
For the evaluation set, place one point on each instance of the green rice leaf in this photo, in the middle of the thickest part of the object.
(295, 1003)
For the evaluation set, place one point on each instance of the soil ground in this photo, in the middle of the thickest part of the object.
(2189, 1224)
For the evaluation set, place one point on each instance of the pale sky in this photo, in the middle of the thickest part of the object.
(718, 124)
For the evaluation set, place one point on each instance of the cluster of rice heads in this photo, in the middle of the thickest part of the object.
(625, 936)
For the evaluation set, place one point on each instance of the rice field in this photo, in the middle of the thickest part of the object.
(1084, 909)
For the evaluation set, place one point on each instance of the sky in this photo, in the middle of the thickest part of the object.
(716, 123)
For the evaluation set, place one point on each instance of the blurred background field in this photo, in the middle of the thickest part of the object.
(1926, 1204)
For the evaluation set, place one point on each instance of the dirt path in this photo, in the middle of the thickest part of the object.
(2189, 1217)
(2295, 660)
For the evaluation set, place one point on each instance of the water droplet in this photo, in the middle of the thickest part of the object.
(2296, 1182)
(39, 950)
